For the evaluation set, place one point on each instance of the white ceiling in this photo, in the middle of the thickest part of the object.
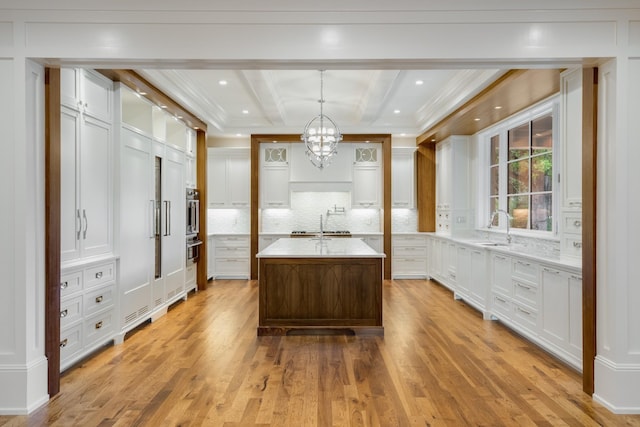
(283, 101)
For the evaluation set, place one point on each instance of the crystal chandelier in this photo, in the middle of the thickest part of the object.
(321, 135)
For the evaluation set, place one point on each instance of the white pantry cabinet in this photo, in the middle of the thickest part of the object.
(86, 186)
(228, 178)
(88, 92)
(452, 185)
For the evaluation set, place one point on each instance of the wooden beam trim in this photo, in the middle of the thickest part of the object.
(52, 227)
(589, 219)
(135, 81)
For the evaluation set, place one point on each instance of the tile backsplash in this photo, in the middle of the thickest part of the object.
(304, 214)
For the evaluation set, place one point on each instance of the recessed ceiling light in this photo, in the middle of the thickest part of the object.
(238, 134)
(196, 128)
(142, 93)
(163, 106)
(403, 134)
(433, 140)
(222, 82)
(396, 111)
(497, 107)
(245, 111)
(476, 119)
(419, 82)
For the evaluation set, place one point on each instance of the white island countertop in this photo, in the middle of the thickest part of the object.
(312, 248)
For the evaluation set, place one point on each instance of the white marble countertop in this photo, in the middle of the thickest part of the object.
(312, 248)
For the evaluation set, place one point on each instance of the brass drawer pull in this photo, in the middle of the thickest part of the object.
(64, 313)
(64, 343)
(99, 325)
(99, 299)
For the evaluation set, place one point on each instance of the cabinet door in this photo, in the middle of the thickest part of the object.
(136, 227)
(174, 206)
(216, 181)
(478, 276)
(239, 181)
(555, 303)
(463, 277)
(571, 133)
(274, 187)
(501, 274)
(366, 186)
(402, 180)
(96, 193)
(70, 214)
(96, 95)
(70, 88)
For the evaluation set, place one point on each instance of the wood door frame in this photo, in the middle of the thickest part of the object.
(385, 139)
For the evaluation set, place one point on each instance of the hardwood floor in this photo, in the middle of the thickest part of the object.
(438, 364)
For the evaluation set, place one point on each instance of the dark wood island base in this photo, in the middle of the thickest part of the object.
(320, 296)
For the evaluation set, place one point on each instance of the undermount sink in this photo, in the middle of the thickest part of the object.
(492, 244)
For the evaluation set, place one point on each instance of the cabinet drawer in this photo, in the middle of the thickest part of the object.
(409, 241)
(70, 342)
(501, 307)
(572, 223)
(410, 251)
(525, 270)
(525, 317)
(94, 276)
(231, 242)
(99, 299)
(70, 283)
(232, 252)
(70, 310)
(231, 267)
(98, 327)
(409, 266)
(572, 245)
(525, 293)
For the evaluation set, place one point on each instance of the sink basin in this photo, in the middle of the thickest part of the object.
(492, 244)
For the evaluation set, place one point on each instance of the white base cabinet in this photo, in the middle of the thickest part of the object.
(88, 320)
(409, 256)
(231, 254)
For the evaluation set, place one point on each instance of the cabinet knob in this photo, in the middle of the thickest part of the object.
(577, 245)
(64, 343)
(99, 299)
(99, 275)
(64, 285)
(577, 223)
(99, 325)
(64, 313)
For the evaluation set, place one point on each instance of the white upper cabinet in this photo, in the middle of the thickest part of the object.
(571, 134)
(86, 187)
(367, 176)
(88, 92)
(228, 178)
(403, 180)
(452, 185)
(274, 175)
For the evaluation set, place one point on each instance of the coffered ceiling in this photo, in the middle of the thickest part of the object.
(243, 102)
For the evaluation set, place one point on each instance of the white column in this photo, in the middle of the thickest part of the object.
(23, 366)
(617, 366)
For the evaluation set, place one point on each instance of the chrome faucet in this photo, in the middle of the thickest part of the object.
(321, 230)
(506, 214)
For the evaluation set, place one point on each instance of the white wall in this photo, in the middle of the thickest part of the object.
(310, 34)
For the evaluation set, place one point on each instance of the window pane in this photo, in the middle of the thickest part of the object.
(518, 177)
(495, 149)
(541, 173)
(494, 205)
(519, 211)
(495, 180)
(519, 142)
(541, 135)
(541, 212)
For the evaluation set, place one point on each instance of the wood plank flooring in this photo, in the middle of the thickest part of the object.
(438, 364)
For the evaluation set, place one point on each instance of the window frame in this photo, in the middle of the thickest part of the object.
(550, 106)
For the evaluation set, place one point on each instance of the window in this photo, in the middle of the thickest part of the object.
(521, 173)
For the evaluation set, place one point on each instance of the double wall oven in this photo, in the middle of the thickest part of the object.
(193, 225)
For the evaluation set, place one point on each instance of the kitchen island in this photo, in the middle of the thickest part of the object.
(317, 286)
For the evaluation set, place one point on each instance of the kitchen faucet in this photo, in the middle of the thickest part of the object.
(506, 214)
